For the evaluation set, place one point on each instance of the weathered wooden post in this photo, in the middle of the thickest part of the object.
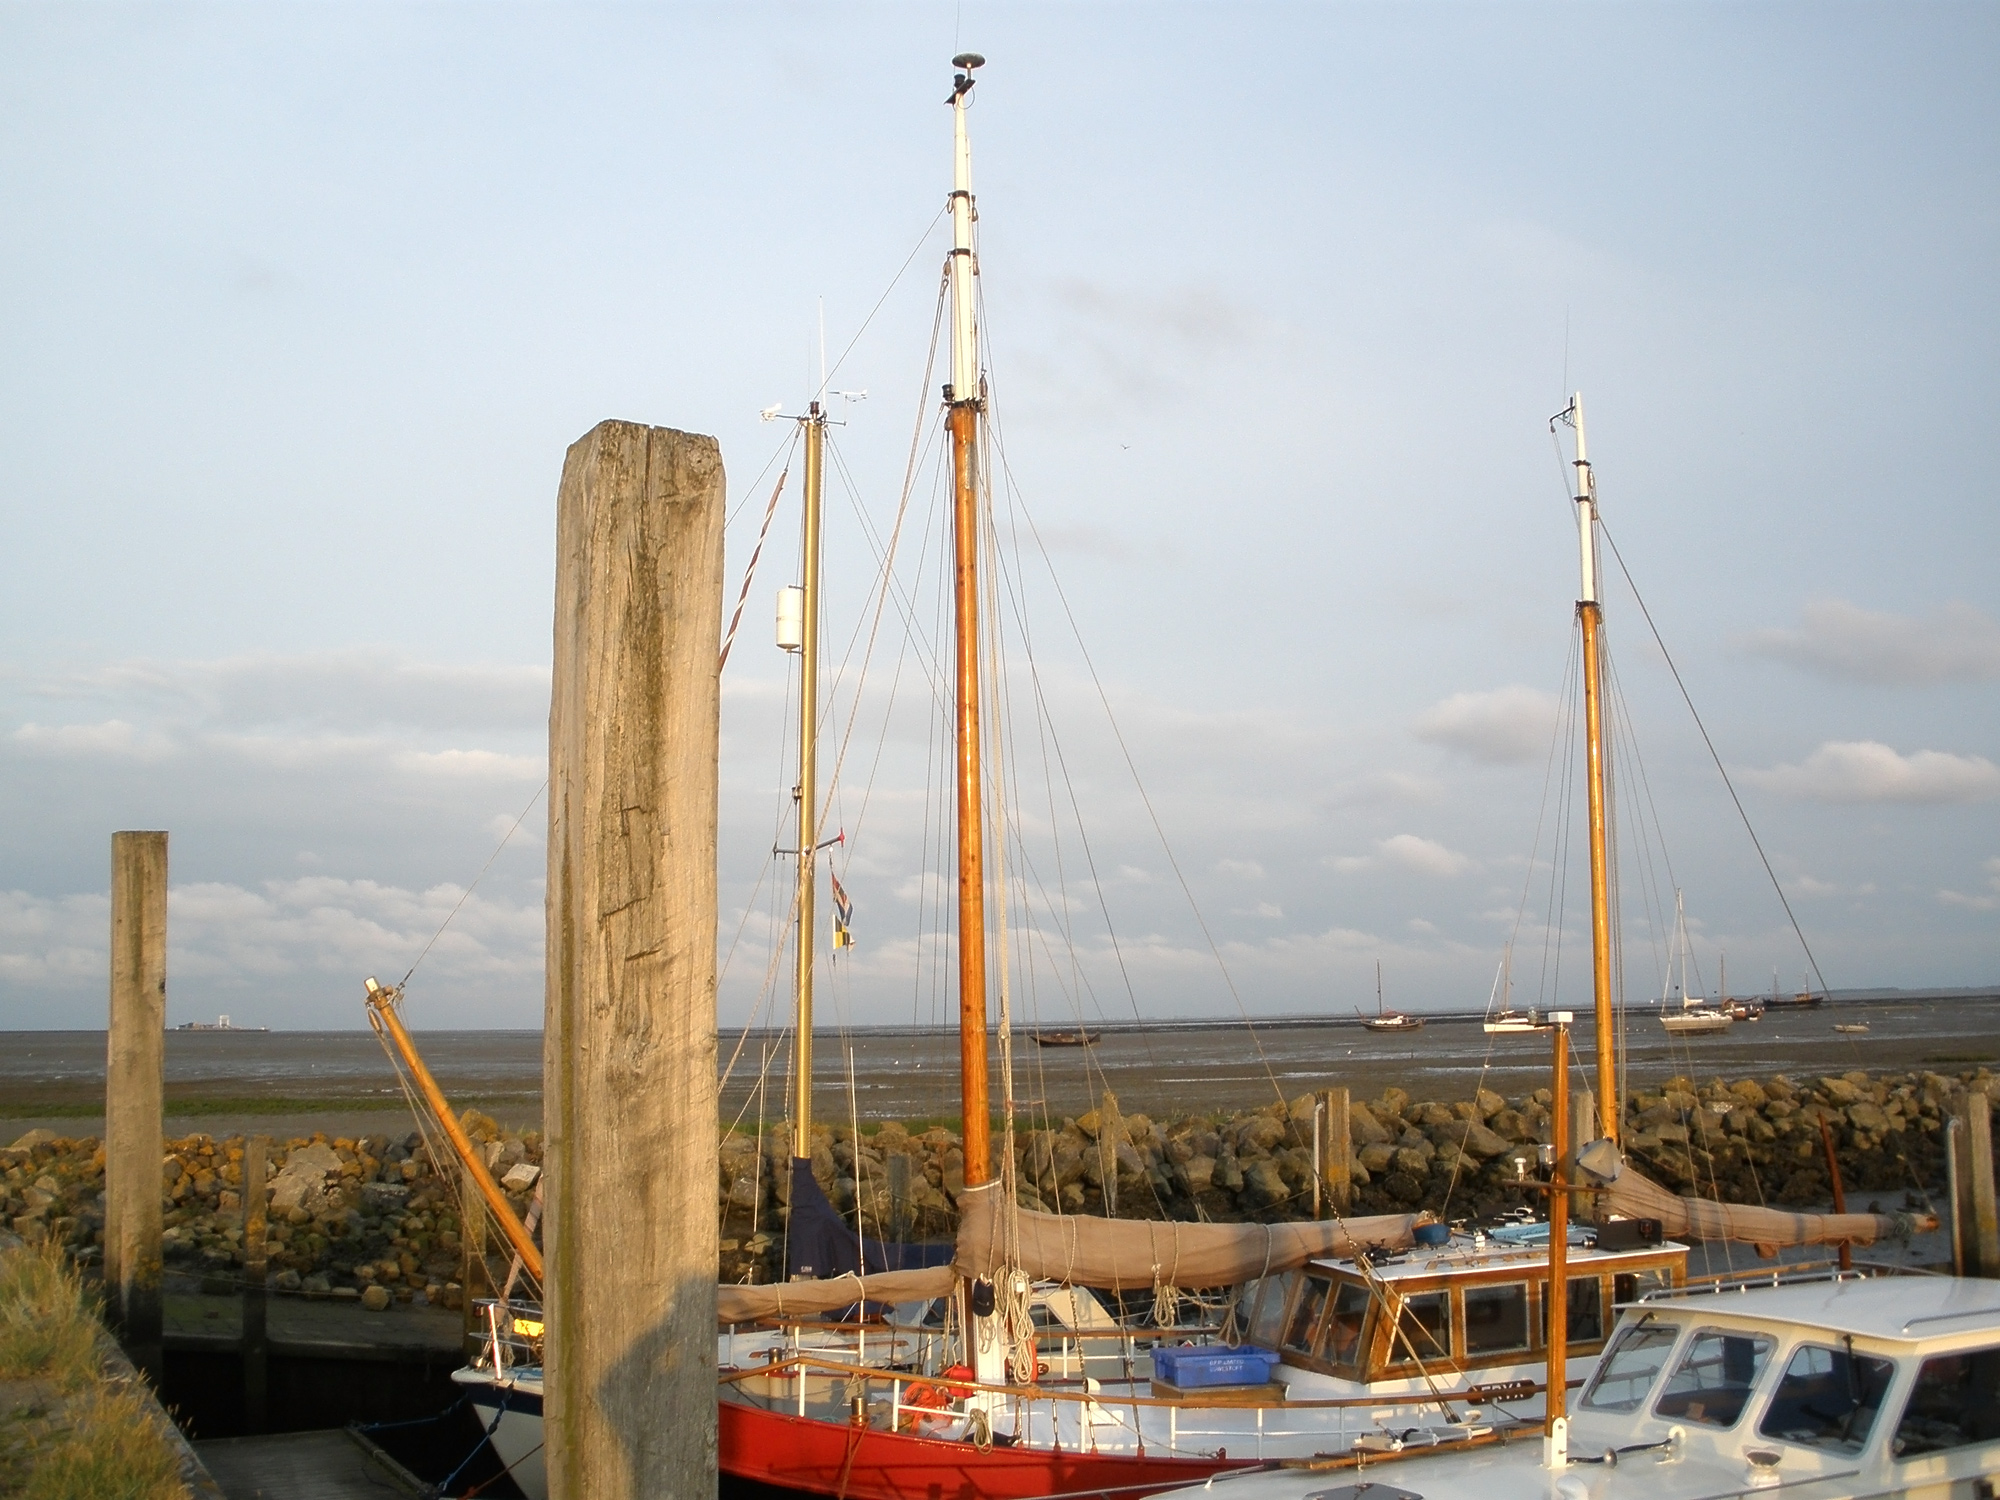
(256, 1153)
(475, 1276)
(899, 1196)
(628, 1059)
(1336, 1143)
(1982, 1223)
(1583, 1125)
(135, 1086)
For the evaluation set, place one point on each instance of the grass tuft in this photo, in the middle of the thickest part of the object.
(113, 1450)
(48, 1331)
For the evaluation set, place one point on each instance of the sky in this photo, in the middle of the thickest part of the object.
(302, 305)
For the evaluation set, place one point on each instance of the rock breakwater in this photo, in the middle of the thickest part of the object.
(372, 1218)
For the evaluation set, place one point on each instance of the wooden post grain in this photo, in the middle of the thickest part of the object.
(628, 1057)
(1336, 1164)
(1982, 1233)
(1583, 1125)
(135, 1083)
(256, 1355)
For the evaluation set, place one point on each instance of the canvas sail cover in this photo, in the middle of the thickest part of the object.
(1132, 1254)
(810, 1299)
(1682, 1218)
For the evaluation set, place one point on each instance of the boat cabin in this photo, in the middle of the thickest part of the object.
(1475, 1304)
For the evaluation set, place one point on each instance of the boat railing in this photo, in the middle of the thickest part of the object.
(1753, 1278)
(504, 1335)
(928, 1404)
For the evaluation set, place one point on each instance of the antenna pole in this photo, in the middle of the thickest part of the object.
(962, 395)
(1590, 617)
(806, 793)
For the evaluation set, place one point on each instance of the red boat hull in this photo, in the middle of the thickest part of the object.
(855, 1463)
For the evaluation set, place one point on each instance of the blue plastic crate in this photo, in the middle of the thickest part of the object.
(1191, 1367)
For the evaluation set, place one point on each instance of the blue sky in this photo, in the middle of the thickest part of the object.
(303, 304)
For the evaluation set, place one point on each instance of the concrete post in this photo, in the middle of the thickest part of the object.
(135, 1085)
(256, 1154)
(1336, 1163)
(475, 1276)
(1583, 1128)
(628, 1057)
(1982, 1225)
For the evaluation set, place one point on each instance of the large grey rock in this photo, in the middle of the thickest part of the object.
(302, 1184)
(382, 1198)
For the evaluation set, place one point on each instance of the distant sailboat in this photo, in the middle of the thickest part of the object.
(1696, 1017)
(1509, 1021)
(1388, 1020)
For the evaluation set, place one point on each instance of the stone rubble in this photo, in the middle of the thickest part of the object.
(369, 1219)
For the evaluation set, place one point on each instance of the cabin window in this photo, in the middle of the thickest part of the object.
(1496, 1319)
(1343, 1334)
(1305, 1318)
(1827, 1399)
(1954, 1404)
(1423, 1325)
(1631, 1286)
(1713, 1382)
(1267, 1315)
(1631, 1365)
(1586, 1311)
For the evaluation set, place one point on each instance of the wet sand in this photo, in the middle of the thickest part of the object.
(293, 1083)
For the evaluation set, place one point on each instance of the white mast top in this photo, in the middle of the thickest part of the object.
(1586, 504)
(964, 328)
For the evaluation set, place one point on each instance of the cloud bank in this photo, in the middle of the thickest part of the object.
(1866, 771)
(1506, 726)
(1957, 643)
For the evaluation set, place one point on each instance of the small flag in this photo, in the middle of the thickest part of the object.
(843, 913)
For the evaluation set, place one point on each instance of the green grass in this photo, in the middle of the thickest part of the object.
(88, 1437)
(47, 1330)
(203, 1106)
(108, 1447)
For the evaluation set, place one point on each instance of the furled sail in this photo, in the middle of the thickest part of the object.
(1132, 1254)
(1636, 1197)
(805, 1299)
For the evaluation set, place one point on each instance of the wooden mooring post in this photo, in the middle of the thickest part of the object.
(1976, 1210)
(1336, 1149)
(135, 1085)
(628, 1063)
(256, 1266)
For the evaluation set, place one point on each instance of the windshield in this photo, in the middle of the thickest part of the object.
(1631, 1365)
(1828, 1399)
(1714, 1378)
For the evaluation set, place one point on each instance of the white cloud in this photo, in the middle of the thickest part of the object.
(1407, 851)
(113, 738)
(1502, 727)
(225, 939)
(1957, 643)
(1988, 900)
(1865, 771)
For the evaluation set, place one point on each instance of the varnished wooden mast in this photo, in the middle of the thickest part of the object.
(963, 398)
(807, 790)
(1590, 618)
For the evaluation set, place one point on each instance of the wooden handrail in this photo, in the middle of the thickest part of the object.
(810, 1362)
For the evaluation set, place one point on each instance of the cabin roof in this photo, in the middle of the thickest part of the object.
(1898, 1308)
(1462, 1258)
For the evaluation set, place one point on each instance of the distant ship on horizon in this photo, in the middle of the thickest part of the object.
(221, 1023)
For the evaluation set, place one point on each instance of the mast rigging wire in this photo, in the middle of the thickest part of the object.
(1687, 698)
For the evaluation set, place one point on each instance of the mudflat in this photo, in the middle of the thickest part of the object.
(288, 1083)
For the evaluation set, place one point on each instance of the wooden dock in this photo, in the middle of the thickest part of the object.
(338, 1465)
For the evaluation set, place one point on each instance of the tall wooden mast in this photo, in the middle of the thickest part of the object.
(1590, 617)
(806, 792)
(962, 397)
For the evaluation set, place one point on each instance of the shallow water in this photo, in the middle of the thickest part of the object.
(907, 1074)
